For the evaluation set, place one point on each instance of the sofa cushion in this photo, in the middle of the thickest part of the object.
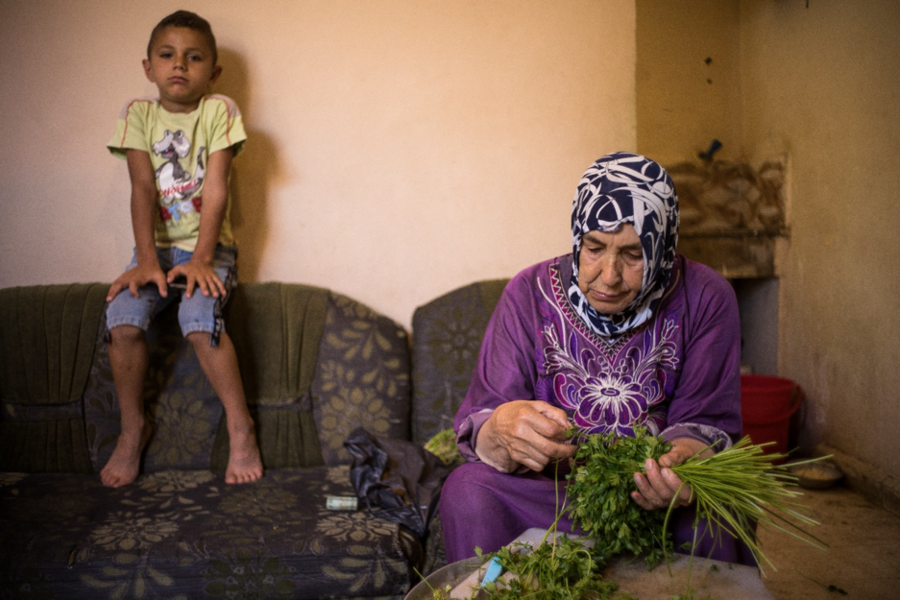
(362, 377)
(47, 340)
(177, 533)
(447, 334)
(277, 330)
(315, 365)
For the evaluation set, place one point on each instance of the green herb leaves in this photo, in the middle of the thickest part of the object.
(599, 493)
(735, 490)
(560, 570)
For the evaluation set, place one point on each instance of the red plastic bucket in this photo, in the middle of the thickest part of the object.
(767, 403)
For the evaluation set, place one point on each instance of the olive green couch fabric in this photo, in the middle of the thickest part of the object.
(447, 334)
(315, 366)
(47, 340)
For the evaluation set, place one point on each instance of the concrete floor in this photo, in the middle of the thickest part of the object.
(862, 560)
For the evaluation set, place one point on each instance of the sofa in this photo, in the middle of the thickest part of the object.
(316, 365)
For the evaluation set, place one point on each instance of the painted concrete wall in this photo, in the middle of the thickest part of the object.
(397, 148)
(687, 78)
(822, 84)
(818, 83)
(688, 93)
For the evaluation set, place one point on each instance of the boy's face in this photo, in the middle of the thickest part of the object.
(181, 66)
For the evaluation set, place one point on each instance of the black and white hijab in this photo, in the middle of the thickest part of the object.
(627, 188)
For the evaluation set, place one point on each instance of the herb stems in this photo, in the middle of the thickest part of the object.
(735, 491)
(740, 488)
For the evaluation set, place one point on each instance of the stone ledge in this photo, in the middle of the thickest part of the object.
(871, 482)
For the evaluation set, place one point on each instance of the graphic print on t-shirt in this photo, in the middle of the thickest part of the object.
(178, 190)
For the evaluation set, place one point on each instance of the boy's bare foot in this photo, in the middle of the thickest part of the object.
(124, 464)
(244, 462)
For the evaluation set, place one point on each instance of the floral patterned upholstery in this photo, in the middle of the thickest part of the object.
(186, 534)
(315, 365)
(362, 378)
(447, 334)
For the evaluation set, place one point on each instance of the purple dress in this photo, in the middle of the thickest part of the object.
(678, 374)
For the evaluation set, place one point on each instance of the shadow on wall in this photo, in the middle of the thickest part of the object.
(252, 173)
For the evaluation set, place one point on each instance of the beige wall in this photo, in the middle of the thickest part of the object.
(822, 84)
(687, 78)
(397, 148)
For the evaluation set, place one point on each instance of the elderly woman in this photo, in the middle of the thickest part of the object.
(622, 332)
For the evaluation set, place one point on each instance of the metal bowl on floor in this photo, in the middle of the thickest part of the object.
(451, 575)
(818, 475)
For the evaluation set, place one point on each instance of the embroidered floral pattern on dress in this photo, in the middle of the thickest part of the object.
(608, 390)
(610, 346)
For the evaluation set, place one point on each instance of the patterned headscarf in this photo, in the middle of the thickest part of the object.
(627, 188)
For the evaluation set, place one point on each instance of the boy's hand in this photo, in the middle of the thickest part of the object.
(198, 274)
(135, 277)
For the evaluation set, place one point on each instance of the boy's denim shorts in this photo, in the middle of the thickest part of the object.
(197, 313)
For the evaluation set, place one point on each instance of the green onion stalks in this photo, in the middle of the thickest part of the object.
(735, 490)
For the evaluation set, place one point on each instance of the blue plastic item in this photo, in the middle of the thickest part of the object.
(493, 572)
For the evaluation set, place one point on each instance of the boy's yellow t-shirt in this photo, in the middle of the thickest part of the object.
(179, 145)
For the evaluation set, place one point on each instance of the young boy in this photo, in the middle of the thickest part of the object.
(179, 150)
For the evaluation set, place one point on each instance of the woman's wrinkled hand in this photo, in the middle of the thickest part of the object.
(530, 433)
(659, 485)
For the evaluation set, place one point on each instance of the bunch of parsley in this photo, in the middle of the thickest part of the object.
(600, 489)
(735, 490)
(563, 569)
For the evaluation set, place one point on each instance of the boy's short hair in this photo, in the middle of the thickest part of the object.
(184, 18)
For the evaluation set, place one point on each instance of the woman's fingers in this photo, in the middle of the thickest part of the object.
(532, 433)
(656, 487)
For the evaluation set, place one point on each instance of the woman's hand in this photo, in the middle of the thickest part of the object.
(524, 432)
(659, 484)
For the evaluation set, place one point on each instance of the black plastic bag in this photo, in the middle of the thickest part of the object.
(397, 479)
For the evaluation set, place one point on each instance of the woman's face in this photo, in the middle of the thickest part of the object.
(610, 268)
